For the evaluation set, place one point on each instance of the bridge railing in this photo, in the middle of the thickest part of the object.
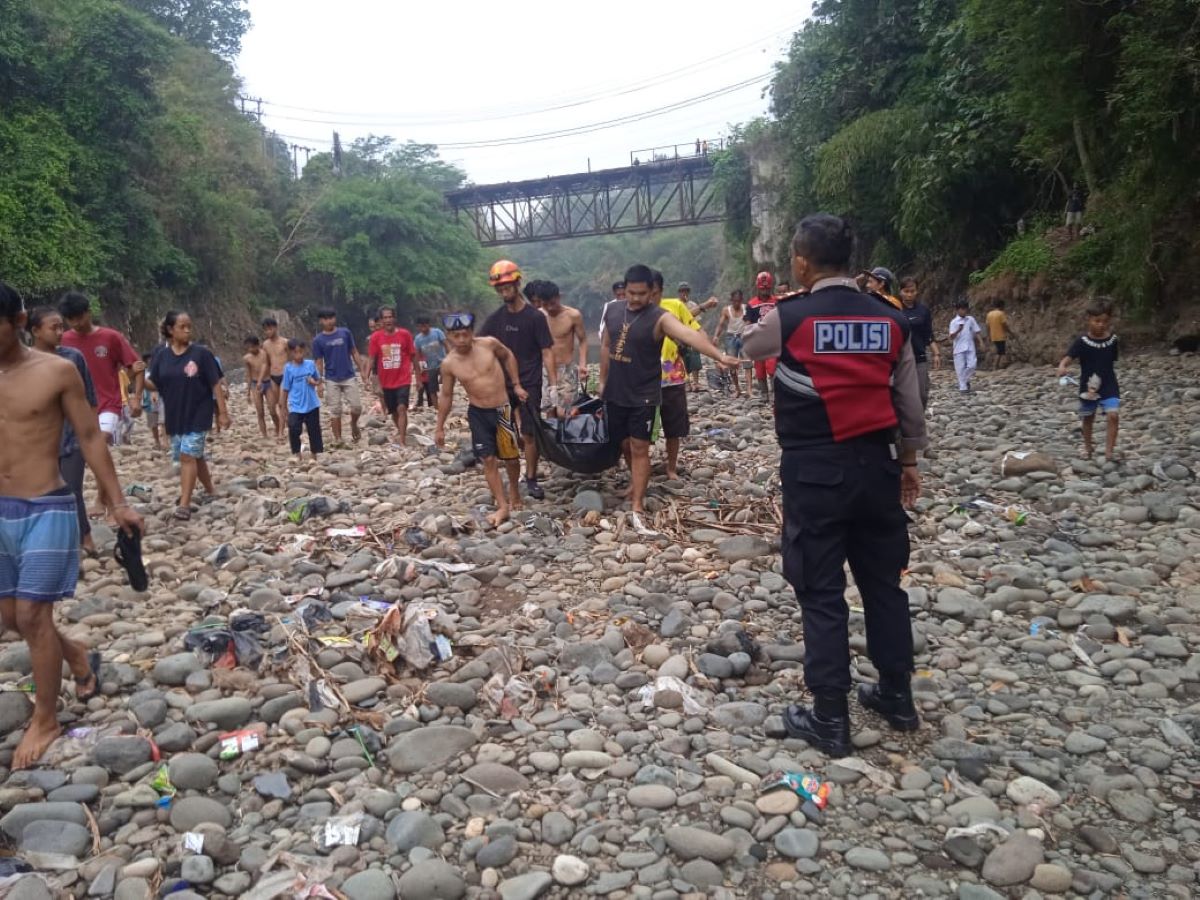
(665, 193)
(699, 147)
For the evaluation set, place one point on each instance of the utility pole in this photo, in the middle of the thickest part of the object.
(258, 103)
(296, 148)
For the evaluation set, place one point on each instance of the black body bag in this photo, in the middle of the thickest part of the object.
(579, 442)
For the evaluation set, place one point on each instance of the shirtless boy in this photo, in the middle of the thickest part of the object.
(732, 322)
(39, 530)
(275, 346)
(258, 378)
(570, 341)
(480, 364)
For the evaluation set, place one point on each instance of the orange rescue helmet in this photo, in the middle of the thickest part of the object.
(504, 272)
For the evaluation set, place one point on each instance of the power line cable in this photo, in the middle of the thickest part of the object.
(467, 117)
(600, 126)
(513, 140)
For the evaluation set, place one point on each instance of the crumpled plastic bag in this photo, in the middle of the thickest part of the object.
(510, 696)
(691, 705)
(406, 568)
(976, 830)
(222, 555)
(301, 878)
(338, 831)
(254, 509)
(417, 538)
(313, 613)
(408, 633)
(517, 695)
(301, 509)
(225, 646)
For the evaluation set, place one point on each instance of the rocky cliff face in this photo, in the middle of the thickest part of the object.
(772, 230)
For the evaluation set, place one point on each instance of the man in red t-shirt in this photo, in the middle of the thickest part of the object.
(391, 351)
(107, 352)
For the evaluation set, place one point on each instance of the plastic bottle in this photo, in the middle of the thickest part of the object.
(1040, 624)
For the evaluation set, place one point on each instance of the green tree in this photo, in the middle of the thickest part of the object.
(216, 25)
(381, 233)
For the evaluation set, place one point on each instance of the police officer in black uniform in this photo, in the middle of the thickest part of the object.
(849, 420)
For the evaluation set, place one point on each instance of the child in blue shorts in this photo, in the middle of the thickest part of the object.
(1097, 354)
(152, 408)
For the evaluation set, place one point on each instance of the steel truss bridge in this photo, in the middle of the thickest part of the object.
(660, 193)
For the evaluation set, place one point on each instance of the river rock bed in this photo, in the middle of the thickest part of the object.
(612, 703)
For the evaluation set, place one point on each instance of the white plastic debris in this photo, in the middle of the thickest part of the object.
(691, 705)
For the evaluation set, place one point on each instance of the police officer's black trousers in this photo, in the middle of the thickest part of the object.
(842, 503)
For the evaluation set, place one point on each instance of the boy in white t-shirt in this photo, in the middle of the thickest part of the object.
(964, 332)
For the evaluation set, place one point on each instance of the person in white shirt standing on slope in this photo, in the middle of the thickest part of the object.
(964, 332)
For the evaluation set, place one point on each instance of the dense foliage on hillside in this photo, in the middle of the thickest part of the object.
(938, 125)
(585, 269)
(129, 172)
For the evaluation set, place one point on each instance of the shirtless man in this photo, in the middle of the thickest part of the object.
(732, 322)
(480, 363)
(275, 346)
(258, 378)
(39, 530)
(570, 342)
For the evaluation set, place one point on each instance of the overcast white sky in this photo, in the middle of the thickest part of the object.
(457, 72)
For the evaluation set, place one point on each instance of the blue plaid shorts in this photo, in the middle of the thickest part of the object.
(39, 546)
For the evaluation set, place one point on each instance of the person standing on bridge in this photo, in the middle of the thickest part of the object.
(526, 333)
(849, 419)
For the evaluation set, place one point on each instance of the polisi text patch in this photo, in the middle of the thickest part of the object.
(852, 336)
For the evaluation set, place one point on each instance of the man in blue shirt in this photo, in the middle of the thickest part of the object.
(339, 364)
(431, 350)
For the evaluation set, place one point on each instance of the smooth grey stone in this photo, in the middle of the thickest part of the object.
(432, 879)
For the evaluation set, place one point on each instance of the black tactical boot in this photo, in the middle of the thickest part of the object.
(893, 701)
(828, 733)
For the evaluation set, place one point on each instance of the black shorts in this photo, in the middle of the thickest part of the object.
(395, 398)
(528, 411)
(629, 422)
(674, 412)
(693, 359)
(493, 432)
(278, 379)
(1001, 347)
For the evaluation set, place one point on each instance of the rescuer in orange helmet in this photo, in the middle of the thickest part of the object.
(525, 331)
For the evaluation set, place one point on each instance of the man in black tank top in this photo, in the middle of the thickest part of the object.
(631, 371)
(849, 418)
